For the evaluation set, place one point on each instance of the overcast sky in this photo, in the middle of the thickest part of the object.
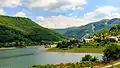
(61, 13)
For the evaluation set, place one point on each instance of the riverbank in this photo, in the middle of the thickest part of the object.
(77, 50)
(86, 64)
(7, 48)
(96, 64)
(66, 65)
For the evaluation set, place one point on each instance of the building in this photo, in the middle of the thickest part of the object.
(88, 40)
(114, 38)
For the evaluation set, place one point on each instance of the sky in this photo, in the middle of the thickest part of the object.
(61, 13)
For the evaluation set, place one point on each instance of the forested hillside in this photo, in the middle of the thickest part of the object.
(113, 31)
(89, 29)
(18, 29)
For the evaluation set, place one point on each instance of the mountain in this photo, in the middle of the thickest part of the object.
(89, 29)
(23, 29)
(62, 31)
(113, 31)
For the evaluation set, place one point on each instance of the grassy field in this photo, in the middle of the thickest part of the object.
(69, 65)
(117, 66)
(83, 49)
(85, 64)
(78, 50)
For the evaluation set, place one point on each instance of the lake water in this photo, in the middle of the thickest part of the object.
(25, 57)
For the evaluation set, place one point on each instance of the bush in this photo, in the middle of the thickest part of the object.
(86, 58)
(89, 58)
(80, 45)
(34, 66)
(94, 59)
(97, 62)
(111, 52)
(85, 64)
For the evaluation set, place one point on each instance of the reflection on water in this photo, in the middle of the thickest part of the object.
(7, 57)
(24, 57)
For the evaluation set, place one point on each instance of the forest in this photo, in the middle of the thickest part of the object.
(19, 30)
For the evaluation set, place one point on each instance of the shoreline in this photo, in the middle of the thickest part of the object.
(7, 48)
(69, 51)
(98, 64)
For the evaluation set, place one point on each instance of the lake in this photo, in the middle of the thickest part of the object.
(25, 57)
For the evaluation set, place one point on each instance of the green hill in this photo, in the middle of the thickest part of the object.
(14, 29)
(113, 31)
(89, 29)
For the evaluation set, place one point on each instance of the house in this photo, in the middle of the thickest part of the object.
(118, 36)
(114, 38)
(88, 40)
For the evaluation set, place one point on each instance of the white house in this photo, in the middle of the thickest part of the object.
(88, 40)
(114, 37)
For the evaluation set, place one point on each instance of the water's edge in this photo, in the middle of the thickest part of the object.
(25, 57)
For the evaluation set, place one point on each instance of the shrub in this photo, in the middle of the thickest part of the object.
(94, 59)
(85, 64)
(111, 52)
(89, 58)
(86, 58)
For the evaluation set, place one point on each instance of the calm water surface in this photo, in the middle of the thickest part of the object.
(25, 57)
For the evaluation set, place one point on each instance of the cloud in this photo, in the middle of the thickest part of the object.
(62, 22)
(20, 14)
(77, 8)
(105, 12)
(9, 3)
(48, 25)
(54, 5)
(70, 14)
(40, 18)
(2, 12)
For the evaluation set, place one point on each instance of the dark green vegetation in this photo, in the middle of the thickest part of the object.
(109, 48)
(79, 47)
(89, 29)
(69, 65)
(61, 31)
(84, 63)
(89, 58)
(78, 50)
(111, 52)
(67, 44)
(18, 30)
(98, 44)
(113, 31)
(82, 47)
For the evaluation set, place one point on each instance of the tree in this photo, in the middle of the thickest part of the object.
(59, 45)
(86, 58)
(94, 59)
(111, 52)
(89, 58)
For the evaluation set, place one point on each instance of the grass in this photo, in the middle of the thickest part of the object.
(69, 65)
(117, 66)
(84, 64)
(78, 50)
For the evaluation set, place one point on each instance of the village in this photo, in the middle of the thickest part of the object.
(115, 38)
